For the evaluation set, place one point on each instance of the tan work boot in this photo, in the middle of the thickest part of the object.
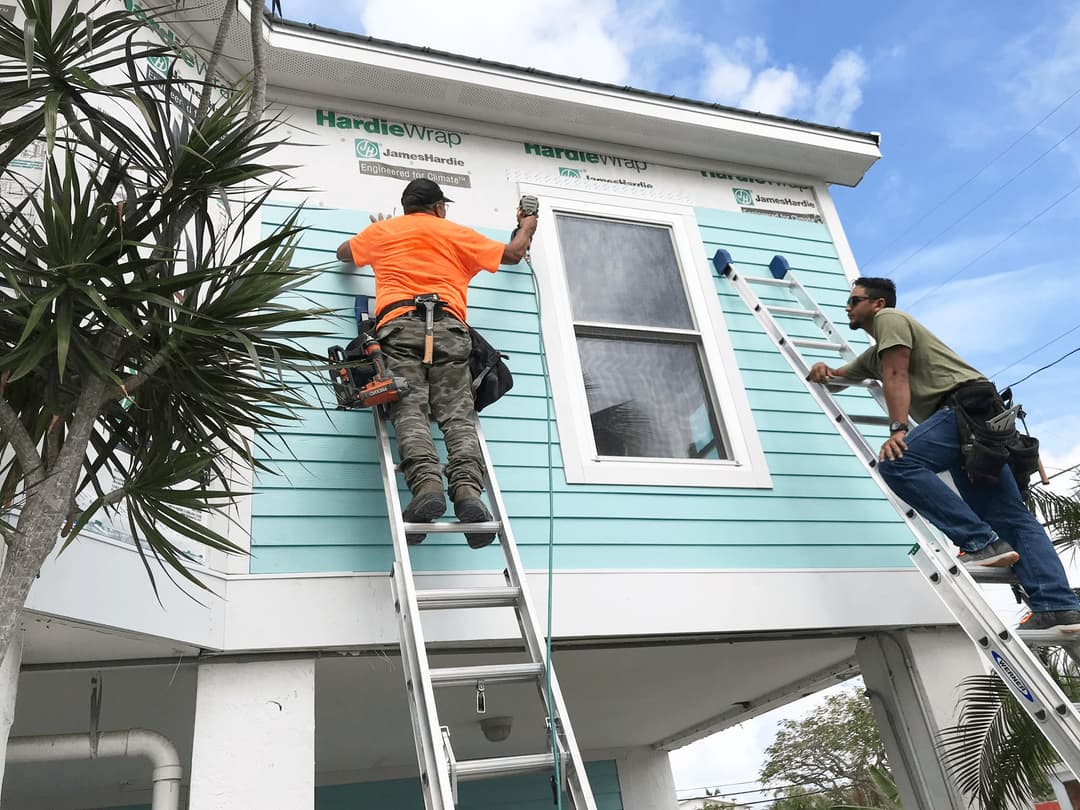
(428, 503)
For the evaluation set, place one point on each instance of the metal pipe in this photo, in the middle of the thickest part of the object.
(134, 742)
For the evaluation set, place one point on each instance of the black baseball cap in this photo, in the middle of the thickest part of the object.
(422, 191)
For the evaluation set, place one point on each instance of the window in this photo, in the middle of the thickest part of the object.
(644, 380)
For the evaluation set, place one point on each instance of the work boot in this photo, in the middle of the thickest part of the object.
(470, 509)
(427, 504)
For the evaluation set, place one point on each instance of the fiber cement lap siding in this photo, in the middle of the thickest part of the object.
(326, 510)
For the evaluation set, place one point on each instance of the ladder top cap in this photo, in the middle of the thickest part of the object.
(779, 266)
(722, 261)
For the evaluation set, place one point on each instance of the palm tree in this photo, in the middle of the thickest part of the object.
(995, 751)
(144, 333)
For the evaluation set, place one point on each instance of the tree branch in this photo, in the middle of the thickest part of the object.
(21, 442)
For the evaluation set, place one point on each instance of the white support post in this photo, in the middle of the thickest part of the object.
(912, 678)
(645, 780)
(254, 743)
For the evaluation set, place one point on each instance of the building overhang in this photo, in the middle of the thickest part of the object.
(311, 62)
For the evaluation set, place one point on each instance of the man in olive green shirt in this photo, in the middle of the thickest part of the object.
(990, 523)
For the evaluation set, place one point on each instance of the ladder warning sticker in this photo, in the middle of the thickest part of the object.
(1011, 677)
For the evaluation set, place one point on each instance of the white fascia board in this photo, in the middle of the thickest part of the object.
(708, 133)
(104, 583)
(351, 611)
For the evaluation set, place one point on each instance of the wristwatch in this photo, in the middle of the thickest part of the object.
(898, 426)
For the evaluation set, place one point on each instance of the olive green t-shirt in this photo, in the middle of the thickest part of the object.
(933, 371)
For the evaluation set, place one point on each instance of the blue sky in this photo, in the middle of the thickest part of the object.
(975, 217)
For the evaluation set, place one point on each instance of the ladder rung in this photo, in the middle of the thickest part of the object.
(452, 528)
(988, 575)
(489, 673)
(451, 598)
(794, 311)
(506, 766)
(1048, 637)
(768, 282)
(823, 345)
(869, 420)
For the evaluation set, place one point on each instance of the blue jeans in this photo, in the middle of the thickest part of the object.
(972, 519)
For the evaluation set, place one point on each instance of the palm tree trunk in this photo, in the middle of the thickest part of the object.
(215, 58)
(9, 684)
(258, 62)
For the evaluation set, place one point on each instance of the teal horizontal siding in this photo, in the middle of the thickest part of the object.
(514, 793)
(323, 507)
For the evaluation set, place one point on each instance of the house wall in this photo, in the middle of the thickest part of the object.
(326, 511)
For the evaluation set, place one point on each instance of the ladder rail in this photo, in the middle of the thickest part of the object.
(434, 775)
(577, 780)
(1017, 664)
(440, 771)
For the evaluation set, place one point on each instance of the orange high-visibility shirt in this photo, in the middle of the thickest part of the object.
(422, 253)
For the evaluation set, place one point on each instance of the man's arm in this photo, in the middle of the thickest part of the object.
(894, 380)
(518, 246)
(344, 252)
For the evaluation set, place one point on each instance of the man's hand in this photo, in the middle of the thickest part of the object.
(894, 446)
(381, 216)
(527, 223)
(819, 373)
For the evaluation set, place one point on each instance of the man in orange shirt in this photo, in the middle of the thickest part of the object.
(420, 254)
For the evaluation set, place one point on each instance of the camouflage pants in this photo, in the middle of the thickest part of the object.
(442, 389)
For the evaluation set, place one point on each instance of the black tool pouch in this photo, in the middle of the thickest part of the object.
(491, 377)
(984, 451)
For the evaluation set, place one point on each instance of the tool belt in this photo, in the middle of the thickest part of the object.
(491, 377)
(989, 439)
(427, 306)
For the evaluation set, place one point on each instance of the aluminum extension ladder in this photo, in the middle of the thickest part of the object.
(1006, 649)
(440, 771)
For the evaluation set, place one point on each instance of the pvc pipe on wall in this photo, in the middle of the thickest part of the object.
(135, 742)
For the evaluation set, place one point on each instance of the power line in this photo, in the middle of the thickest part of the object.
(1044, 368)
(1035, 351)
(973, 177)
(762, 801)
(982, 202)
(998, 244)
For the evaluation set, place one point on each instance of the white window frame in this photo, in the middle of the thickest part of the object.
(746, 466)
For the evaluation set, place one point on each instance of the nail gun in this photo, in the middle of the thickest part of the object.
(366, 384)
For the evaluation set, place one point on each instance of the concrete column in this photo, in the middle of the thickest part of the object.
(254, 742)
(912, 677)
(645, 780)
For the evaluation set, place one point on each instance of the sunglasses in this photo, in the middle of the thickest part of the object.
(855, 299)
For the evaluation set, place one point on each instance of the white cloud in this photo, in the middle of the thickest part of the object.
(642, 43)
(775, 90)
(562, 36)
(741, 76)
(1044, 64)
(839, 94)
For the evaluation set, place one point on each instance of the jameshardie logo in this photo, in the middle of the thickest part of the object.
(567, 172)
(366, 149)
(743, 196)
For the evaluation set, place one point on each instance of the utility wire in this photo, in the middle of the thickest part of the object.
(981, 203)
(996, 245)
(1036, 351)
(973, 177)
(1044, 368)
(761, 801)
(1062, 472)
